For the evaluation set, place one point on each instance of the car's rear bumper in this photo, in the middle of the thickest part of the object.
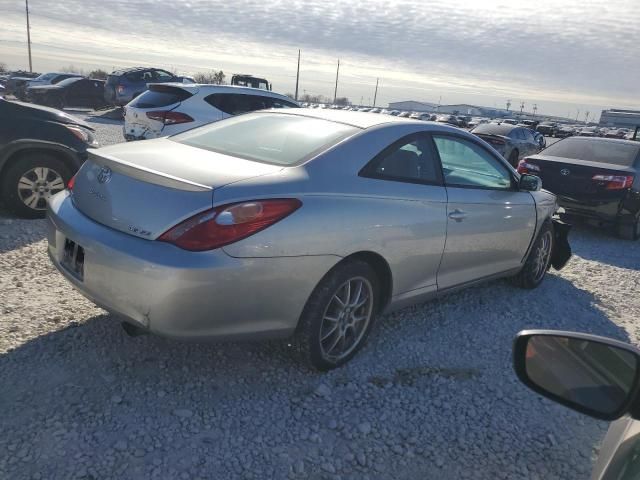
(619, 211)
(173, 292)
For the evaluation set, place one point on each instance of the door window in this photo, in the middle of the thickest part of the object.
(162, 76)
(407, 160)
(466, 164)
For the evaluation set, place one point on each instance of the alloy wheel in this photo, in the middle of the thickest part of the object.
(542, 255)
(346, 318)
(37, 185)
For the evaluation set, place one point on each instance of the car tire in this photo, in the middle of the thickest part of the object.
(338, 316)
(513, 158)
(538, 260)
(47, 182)
(629, 231)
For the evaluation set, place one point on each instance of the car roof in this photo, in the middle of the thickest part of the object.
(212, 88)
(122, 71)
(357, 119)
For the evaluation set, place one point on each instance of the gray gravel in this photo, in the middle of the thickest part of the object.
(433, 394)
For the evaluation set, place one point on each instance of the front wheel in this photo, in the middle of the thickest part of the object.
(31, 180)
(538, 260)
(338, 316)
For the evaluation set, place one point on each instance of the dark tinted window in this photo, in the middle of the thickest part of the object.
(408, 160)
(274, 138)
(595, 150)
(69, 81)
(160, 96)
(237, 103)
(494, 129)
(162, 76)
(136, 76)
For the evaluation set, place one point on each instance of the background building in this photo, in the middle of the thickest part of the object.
(620, 118)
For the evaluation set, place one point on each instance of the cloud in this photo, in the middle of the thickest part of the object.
(581, 52)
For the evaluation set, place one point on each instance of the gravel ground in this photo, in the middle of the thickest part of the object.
(433, 395)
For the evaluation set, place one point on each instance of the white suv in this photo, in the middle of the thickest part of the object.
(170, 108)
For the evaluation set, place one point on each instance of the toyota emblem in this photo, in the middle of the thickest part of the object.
(104, 175)
(565, 172)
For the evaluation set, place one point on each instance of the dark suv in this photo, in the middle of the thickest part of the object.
(40, 150)
(124, 85)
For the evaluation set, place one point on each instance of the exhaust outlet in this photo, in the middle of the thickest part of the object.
(132, 330)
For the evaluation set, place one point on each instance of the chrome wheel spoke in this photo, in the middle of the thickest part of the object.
(331, 331)
(25, 184)
(41, 173)
(32, 200)
(334, 344)
(57, 184)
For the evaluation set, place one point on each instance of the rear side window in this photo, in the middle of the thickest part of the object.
(595, 150)
(273, 138)
(160, 97)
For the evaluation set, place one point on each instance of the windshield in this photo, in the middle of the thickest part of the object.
(595, 150)
(46, 76)
(268, 138)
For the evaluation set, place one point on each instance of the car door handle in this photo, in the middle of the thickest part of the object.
(458, 215)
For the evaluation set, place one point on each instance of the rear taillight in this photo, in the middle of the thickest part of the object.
(169, 117)
(71, 182)
(227, 224)
(614, 182)
(120, 89)
(525, 166)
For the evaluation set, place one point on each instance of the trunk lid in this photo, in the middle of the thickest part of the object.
(158, 98)
(571, 178)
(145, 188)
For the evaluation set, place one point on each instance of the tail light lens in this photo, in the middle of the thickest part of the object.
(227, 224)
(169, 117)
(614, 182)
(525, 166)
(71, 182)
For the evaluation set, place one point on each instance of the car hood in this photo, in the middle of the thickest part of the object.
(49, 114)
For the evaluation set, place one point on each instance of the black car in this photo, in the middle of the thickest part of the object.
(448, 119)
(546, 128)
(72, 92)
(594, 178)
(40, 150)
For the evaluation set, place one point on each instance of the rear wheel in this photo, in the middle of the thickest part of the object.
(338, 316)
(538, 260)
(629, 231)
(31, 180)
(513, 158)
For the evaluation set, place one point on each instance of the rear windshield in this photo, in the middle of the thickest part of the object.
(493, 129)
(160, 97)
(595, 150)
(278, 139)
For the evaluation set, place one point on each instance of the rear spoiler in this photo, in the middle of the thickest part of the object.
(146, 174)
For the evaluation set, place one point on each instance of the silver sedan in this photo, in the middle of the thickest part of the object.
(307, 223)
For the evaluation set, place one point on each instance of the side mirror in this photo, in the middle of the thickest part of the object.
(530, 183)
(590, 374)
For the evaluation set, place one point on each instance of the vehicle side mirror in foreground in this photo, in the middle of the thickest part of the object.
(530, 183)
(590, 374)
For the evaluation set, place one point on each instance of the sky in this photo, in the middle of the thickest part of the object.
(567, 57)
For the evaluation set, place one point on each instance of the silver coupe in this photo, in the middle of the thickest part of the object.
(307, 223)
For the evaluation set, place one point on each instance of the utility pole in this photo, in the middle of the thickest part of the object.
(28, 35)
(297, 76)
(335, 92)
(508, 104)
(577, 113)
(535, 109)
(375, 95)
(521, 107)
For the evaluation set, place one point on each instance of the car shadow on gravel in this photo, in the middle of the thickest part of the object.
(19, 232)
(601, 245)
(89, 391)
